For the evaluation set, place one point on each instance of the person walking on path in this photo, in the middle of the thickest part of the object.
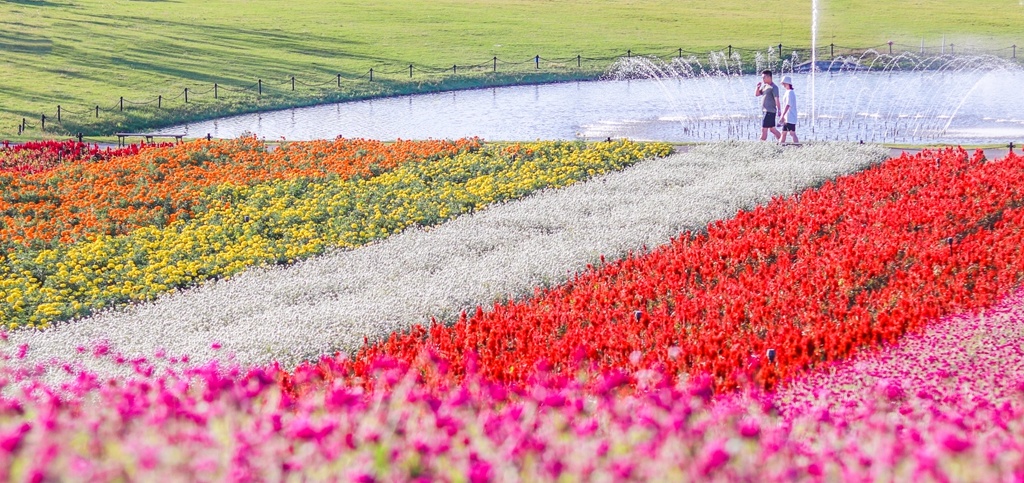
(769, 92)
(788, 117)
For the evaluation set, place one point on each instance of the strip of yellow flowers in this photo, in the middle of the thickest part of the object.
(284, 221)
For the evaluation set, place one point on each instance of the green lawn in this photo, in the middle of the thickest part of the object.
(84, 53)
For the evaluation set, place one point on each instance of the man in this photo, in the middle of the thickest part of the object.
(769, 104)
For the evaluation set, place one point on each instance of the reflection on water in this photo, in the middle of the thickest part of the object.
(970, 107)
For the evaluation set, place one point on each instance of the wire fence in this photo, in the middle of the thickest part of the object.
(290, 86)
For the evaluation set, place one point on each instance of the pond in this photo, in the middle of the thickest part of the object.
(970, 106)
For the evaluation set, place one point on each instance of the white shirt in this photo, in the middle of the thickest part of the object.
(789, 100)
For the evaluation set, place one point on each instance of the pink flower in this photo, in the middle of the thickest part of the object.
(479, 470)
(554, 400)
(955, 443)
(891, 390)
(9, 442)
(749, 428)
(714, 458)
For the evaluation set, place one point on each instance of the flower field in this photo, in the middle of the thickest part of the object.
(338, 300)
(736, 312)
(91, 236)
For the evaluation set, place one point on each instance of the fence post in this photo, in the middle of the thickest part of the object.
(890, 47)
(97, 112)
(495, 64)
(43, 121)
(629, 53)
(410, 71)
(371, 74)
(159, 102)
(951, 49)
(454, 67)
(832, 50)
(58, 112)
(537, 61)
(730, 51)
(681, 53)
(186, 95)
(579, 61)
(215, 90)
(259, 84)
(1014, 51)
(122, 103)
(24, 123)
(780, 51)
(339, 80)
(293, 83)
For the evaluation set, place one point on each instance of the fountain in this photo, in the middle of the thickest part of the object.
(873, 97)
(814, 60)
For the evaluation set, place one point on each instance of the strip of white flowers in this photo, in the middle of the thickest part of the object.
(332, 302)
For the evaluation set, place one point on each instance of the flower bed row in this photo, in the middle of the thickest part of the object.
(37, 156)
(285, 220)
(813, 278)
(156, 186)
(931, 408)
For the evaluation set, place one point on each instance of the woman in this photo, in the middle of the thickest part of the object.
(788, 117)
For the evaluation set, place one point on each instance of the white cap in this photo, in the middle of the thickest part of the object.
(787, 80)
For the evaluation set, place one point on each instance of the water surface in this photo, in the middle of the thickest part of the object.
(960, 107)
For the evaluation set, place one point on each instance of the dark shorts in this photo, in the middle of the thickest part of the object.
(769, 120)
(789, 127)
